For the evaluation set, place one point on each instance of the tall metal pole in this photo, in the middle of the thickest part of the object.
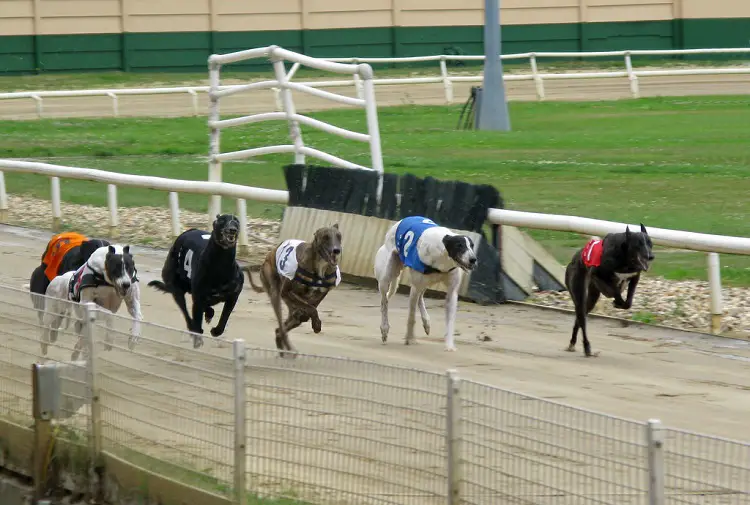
(493, 114)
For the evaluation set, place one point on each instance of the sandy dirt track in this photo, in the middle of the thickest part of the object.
(688, 381)
(253, 102)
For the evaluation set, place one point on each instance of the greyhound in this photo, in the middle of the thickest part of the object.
(108, 278)
(433, 254)
(301, 274)
(205, 266)
(603, 267)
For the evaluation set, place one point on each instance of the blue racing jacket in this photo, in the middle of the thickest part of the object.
(408, 232)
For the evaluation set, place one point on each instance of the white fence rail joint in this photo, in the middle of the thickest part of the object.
(444, 77)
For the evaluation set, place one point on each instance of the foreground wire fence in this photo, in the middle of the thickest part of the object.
(243, 423)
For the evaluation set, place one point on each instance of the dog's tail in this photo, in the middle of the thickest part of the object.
(394, 285)
(256, 288)
(160, 286)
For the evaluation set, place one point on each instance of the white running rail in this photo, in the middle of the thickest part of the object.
(713, 244)
(277, 56)
(444, 77)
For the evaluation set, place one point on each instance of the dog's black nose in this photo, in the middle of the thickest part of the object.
(651, 257)
(126, 285)
(472, 261)
(336, 250)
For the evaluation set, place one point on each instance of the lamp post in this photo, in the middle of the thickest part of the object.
(493, 113)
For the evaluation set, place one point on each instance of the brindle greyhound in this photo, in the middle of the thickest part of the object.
(301, 274)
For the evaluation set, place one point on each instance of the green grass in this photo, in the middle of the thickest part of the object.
(680, 163)
(98, 80)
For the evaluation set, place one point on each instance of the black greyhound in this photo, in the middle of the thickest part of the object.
(204, 265)
(603, 267)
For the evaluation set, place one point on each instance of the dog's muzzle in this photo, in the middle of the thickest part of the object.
(229, 236)
(334, 255)
(470, 265)
(124, 288)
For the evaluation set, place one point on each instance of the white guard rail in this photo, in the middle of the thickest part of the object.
(445, 78)
(277, 56)
(713, 244)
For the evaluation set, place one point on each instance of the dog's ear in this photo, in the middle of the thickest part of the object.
(643, 229)
(126, 249)
(336, 225)
(627, 232)
(111, 250)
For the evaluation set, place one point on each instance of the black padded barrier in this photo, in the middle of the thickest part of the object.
(454, 204)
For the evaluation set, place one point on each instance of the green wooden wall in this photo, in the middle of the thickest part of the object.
(188, 51)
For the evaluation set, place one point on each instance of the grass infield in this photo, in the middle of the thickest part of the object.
(680, 163)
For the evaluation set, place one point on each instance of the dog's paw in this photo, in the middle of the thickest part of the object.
(410, 341)
(197, 341)
(450, 348)
(571, 348)
(590, 354)
(426, 326)
(317, 325)
(620, 305)
(216, 332)
(209, 314)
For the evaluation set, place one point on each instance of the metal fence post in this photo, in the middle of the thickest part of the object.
(655, 447)
(453, 437)
(95, 420)
(240, 449)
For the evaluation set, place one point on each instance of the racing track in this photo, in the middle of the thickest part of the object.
(687, 380)
(425, 94)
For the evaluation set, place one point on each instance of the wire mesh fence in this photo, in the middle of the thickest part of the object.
(705, 470)
(522, 449)
(164, 405)
(21, 345)
(331, 431)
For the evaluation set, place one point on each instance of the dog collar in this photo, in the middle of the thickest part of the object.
(311, 279)
(431, 270)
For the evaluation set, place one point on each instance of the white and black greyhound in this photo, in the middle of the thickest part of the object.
(107, 279)
(433, 254)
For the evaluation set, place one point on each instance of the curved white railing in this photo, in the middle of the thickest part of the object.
(445, 78)
(277, 56)
(713, 244)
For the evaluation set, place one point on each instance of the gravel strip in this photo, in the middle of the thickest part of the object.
(150, 226)
(681, 304)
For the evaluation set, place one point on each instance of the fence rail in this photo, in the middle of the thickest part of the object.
(444, 77)
(703, 242)
(277, 56)
(239, 421)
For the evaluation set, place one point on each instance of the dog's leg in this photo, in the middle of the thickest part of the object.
(451, 305)
(198, 310)
(424, 314)
(271, 281)
(179, 298)
(133, 304)
(415, 293)
(578, 289)
(591, 298)
(51, 323)
(225, 312)
(210, 313)
(628, 302)
(387, 270)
